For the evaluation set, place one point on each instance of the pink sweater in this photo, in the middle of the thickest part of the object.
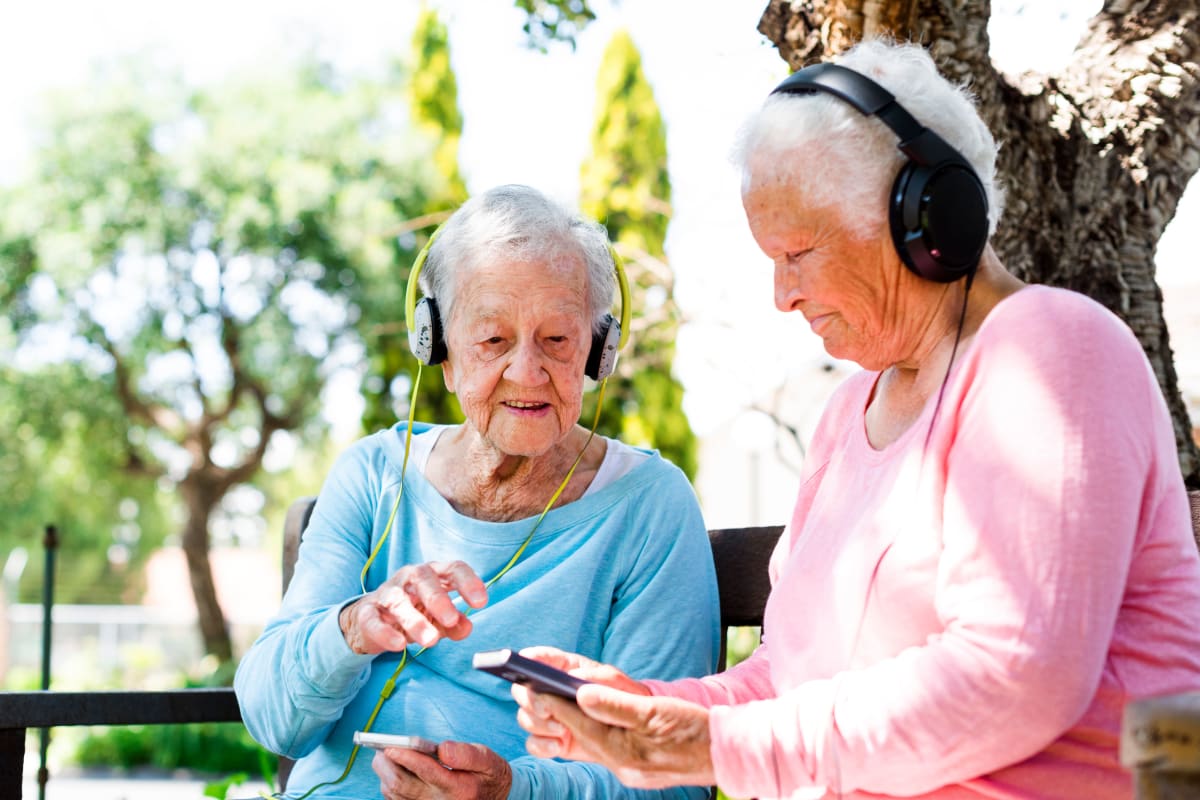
(968, 620)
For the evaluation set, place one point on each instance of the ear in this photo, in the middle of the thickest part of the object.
(448, 375)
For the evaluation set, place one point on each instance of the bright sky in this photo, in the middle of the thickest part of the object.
(527, 118)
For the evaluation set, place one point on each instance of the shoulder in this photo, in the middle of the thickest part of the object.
(652, 485)
(1057, 319)
(1050, 345)
(383, 448)
(651, 472)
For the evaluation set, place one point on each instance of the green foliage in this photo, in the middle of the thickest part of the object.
(548, 21)
(740, 643)
(205, 747)
(433, 100)
(625, 185)
(63, 462)
(184, 270)
(220, 789)
(433, 107)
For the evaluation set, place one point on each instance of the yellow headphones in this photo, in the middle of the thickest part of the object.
(426, 337)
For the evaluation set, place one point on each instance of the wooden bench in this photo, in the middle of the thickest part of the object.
(1160, 738)
(740, 554)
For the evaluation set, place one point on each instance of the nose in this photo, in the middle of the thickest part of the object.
(525, 365)
(787, 285)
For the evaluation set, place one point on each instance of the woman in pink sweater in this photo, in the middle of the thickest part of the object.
(991, 550)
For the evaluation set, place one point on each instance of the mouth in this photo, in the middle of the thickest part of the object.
(819, 322)
(523, 405)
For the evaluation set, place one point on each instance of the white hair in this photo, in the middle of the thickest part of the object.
(517, 222)
(841, 159)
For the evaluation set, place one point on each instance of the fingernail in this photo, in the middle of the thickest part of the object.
(448, 619)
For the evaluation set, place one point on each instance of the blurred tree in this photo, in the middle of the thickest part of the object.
(548, 21)
(61, 462)
(433, 101)
(433, 107)
(199, 261)
(1106, 146)
(624, 184)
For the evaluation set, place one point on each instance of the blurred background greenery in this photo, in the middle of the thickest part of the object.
(186, 270)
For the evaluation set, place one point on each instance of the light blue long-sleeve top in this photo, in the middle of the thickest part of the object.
(623, 575)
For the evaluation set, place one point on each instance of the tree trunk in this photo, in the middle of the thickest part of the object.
(1094, 159)
(200, 502)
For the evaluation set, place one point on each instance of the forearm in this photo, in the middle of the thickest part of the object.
(750, 680)
(296, 680)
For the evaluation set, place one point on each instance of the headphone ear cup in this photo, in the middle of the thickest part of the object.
(602, 358)
(938, 220)
(425, 338)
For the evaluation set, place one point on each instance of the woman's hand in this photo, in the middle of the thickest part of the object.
(413, 606)
(647, 742)
(475, 773)
(586, 668)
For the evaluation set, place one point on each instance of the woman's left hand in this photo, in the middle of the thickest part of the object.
(647, 742)
(475, 773)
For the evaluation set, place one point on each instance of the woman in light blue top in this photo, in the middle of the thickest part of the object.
(618, 567)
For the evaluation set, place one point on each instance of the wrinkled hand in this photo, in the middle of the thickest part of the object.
(647, 742)
(413, 606)
(475, 773)
(586, 668)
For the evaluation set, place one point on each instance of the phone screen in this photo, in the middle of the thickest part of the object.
(380, 741)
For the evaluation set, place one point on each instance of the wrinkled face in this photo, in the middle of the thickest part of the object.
(518, 341)
(851, 289)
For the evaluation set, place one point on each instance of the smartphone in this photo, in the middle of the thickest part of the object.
(517, 668)
(380, 741)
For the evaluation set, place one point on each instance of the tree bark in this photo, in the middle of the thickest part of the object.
(1094, 159)
(200, 500)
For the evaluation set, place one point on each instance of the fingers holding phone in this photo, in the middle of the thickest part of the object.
(464, 770)
(585, 668)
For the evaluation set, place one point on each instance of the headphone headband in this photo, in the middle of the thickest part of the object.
(425, 336)
(919, 143)
(410, 292)
(623, 289)
(937, 209)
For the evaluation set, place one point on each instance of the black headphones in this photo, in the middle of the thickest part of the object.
(427, 340)
(938, 210)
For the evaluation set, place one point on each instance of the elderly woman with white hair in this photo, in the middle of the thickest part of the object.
(991, 550)
(545, 532)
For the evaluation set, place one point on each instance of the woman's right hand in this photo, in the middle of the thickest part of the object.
(413, 607)
(648, 742)
(586, 668)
